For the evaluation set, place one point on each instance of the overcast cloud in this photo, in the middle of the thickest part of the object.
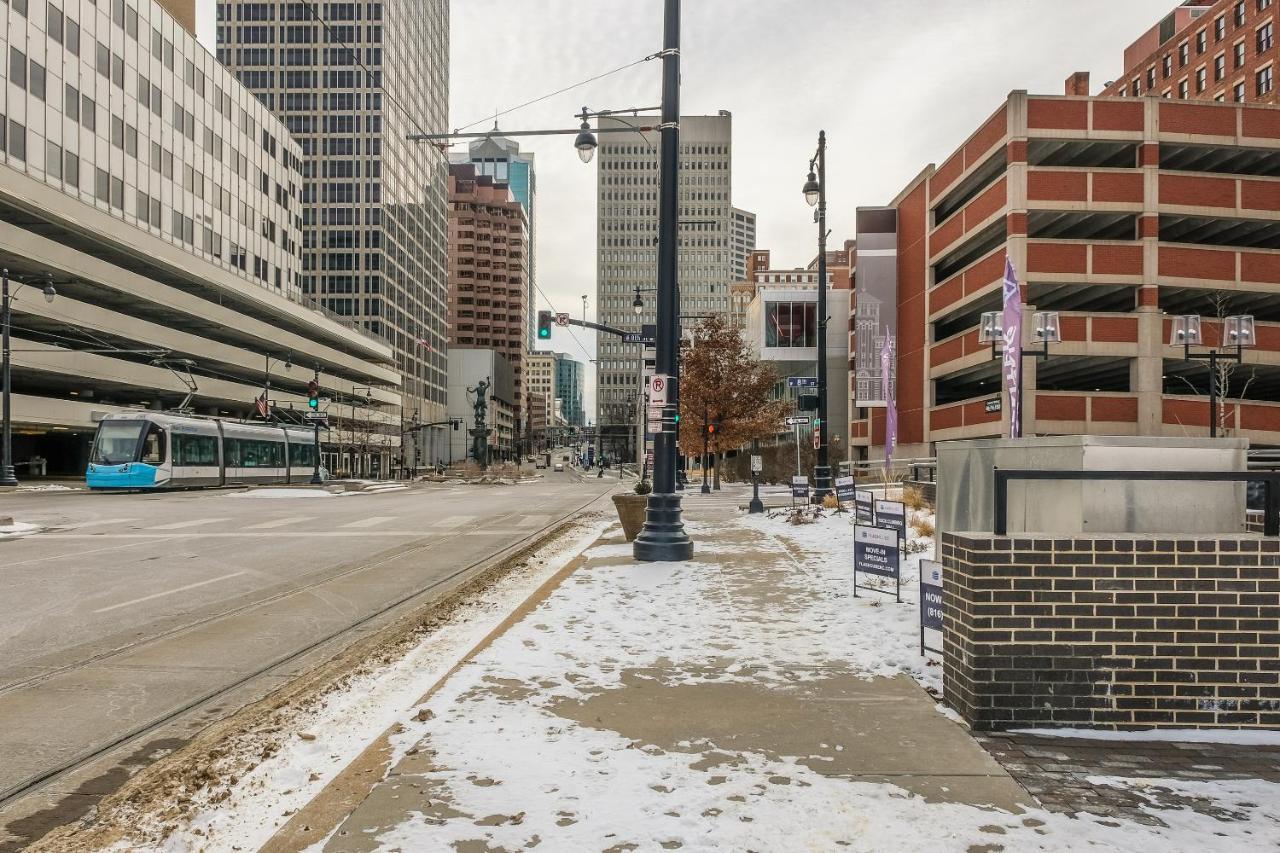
(897, 84)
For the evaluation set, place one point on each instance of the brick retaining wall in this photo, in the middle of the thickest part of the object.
(1112, 631)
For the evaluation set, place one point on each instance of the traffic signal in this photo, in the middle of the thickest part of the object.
(713, 428)
(313, 395)
(808, 403)
(544, 325)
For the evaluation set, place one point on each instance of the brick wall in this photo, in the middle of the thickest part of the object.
(1113, 632)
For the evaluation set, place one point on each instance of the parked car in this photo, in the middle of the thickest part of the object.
(559, 466)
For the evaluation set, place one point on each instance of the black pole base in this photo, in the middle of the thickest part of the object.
(755, 507)
(7, 478)
(663, 538)
(821, 481)
(706, 488)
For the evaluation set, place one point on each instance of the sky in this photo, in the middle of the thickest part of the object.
(896, 84)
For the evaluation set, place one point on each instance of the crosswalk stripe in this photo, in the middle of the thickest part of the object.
(180, 525)
(103, 521)
(372, 521)
(453, 521)
(279, 522)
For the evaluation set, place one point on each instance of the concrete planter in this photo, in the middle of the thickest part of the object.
(631, 510)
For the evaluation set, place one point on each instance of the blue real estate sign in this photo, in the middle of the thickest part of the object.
(800, 487)
(931, 595)
(892, 514)
(844, 489)
(875, 551)
(864, 507)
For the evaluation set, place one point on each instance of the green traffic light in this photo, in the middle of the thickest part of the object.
(313, 403)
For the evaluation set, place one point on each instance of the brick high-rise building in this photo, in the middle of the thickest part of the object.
(488, 268)
(1203, 51)
(1117, 213)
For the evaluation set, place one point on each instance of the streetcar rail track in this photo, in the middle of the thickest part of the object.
(34, 782)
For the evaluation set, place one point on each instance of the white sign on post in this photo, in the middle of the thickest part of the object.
(658, 389)
(757, 464)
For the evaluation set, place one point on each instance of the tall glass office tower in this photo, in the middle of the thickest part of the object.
(351, 81)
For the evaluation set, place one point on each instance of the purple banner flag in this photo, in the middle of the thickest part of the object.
(890, 401)
(1013, 347)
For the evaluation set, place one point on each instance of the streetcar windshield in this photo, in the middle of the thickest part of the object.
(117, 442)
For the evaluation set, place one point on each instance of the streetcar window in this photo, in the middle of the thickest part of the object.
(254, 453)
(195, 450)
(117, 442)
(153, 446)
(302, 455)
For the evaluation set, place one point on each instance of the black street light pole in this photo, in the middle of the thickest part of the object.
(706, 450)
(7, 477)
(756, 506)
(815, 192)
(663, 536)
(316, 479)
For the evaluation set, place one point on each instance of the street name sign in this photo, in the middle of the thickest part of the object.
(992, 406)
(864, 507)
(637, 338)
(876, 552)
(893, 515)
(844, 489)
(798, 420)
(802, 382)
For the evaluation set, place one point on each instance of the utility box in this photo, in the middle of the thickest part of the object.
(966, 485)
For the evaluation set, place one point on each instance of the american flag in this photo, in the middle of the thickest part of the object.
(263, 407)
(423, 342)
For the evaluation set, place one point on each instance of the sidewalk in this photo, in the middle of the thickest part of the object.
(743, 701)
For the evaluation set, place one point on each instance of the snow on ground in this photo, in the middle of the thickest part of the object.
(504, 770)
(48, 487)
(353, 717)
(1237, 737)
(282, 494)
(18, 529)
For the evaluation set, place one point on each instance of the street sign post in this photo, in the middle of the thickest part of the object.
(864, 507)
(316, 418)
(876, 551)
(658, 386)
(931, 601)
(893, 515)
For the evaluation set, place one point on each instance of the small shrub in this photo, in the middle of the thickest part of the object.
(831, 502)
(643, 487)
(914, 498)
(922, 526)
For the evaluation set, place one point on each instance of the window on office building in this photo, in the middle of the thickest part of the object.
(1264, 81)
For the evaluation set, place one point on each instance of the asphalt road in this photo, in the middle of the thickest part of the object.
(129, 609)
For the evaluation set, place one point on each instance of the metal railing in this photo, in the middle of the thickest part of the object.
(1270, 480)
(923, 469)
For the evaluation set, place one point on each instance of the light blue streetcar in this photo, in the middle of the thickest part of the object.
(150, 450)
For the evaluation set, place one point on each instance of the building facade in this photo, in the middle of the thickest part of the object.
(1118, 214)
(351, 81)
(161, 202)
(468, 368)
(570, 387)
(627, 242)
(540, 394)
(501, 159)
(744, 241)
(488, 269)
(1223, 51)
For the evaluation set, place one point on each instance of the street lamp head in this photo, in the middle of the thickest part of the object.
(1186, 331)
(1047, 328)
(811, 189)
(1238, 331)
(50, 293)
(991, 328)
(637, 304)
(585, 143)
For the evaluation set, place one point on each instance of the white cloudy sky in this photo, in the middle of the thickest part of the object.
(897, 84)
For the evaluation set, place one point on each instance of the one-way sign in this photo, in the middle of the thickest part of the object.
(321, 418)
(798, 420)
